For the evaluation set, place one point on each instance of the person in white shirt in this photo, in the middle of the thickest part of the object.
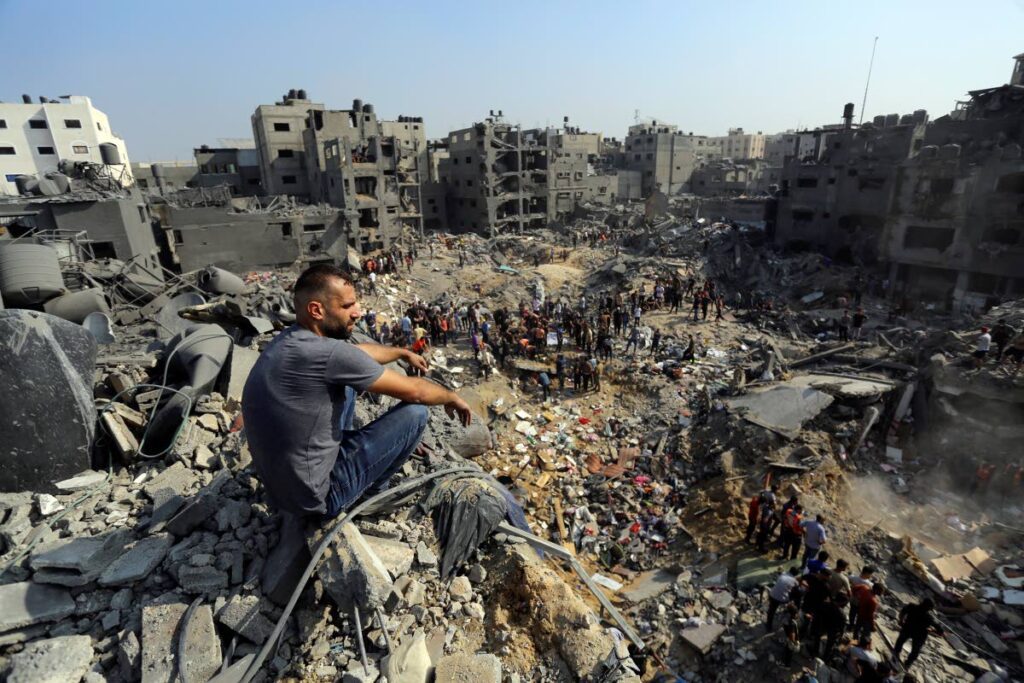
(780, 593)
(982, 349)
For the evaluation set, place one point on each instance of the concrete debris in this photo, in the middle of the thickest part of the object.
(462, 668)
(54, 660)
(26, 603)
(642, 373)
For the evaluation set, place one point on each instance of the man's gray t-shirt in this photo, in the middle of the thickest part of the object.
(292, 405)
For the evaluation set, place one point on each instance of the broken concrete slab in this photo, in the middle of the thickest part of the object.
(138, 562)
(703, 637)
(177, 477)
(201, 654)
(201, 579)
(77, 561)
(27, 603)
(352, 572)
(758, 571)
(648, 585)
(242, 615)
(53, 660)
(464, 668)
(195, 512)
(395, 555)
(782, 408)
(159, 638)
(81, 482)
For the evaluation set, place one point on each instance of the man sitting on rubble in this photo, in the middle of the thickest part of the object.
(299, 401)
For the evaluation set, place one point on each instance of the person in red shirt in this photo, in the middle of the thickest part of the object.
(752, 516)
(867, 599)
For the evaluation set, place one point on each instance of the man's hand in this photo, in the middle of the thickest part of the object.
(417, 361)
(457, 406)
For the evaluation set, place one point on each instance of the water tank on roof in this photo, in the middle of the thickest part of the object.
(29, 273)
(906, 119)
(891, 120)
(291, 94)
(929, 152)
(302, 94)
(367, 108)
(357, 104)
(62, 182)
(110, 154)
(879, 121)
(920, 115)
(27, 99)
(157, 170)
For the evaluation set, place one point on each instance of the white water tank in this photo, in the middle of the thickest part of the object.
(29, 274)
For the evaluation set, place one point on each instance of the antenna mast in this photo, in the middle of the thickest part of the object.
(871, 64)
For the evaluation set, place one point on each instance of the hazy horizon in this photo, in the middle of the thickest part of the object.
(174, 79)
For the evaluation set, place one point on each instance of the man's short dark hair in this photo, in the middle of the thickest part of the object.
(314, 280)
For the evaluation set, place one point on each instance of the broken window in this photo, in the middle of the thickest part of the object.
(37, 123)
(45, 150)
(72, 123)
(285, 153)
(313, 227)
(103, 250)
(7, 150)
(282, 127)
(925, 237)
(142, 183)
(179, 238)
(288, 179)
(286, 229)
(142, 212)
(1003, 235)
(3, 123)
(941, 186)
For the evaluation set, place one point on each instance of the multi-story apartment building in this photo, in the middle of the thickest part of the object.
(278, 134)
(665, 156)
(739, 145)
(36, 136)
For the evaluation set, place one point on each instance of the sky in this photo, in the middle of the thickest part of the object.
(174, 75)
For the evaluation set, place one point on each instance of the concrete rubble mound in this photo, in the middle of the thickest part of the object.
(649, 390)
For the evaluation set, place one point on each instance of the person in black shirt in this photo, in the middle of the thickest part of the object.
(916, 622)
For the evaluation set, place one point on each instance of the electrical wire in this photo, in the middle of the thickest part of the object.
(321, 548)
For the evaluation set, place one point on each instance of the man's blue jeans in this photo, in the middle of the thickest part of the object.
(369, 456)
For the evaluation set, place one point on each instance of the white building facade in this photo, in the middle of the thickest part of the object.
(36, 136)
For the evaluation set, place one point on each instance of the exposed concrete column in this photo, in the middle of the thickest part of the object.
(959, 289)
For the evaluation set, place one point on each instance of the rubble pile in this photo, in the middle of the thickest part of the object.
(139, 545)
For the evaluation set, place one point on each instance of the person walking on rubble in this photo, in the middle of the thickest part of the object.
(299, 401)
(780, 593)
(655, 341)
(844, 326)
(865, 603)
(815, 536)
(916, 622)
(982, 346)
(791, 533)
(634, 340)
(560, 372)
(545, 385)
(753, 515)
(858, 323)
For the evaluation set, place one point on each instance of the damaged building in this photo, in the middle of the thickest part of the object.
(939, 202)
(665, 156)
(502, 178)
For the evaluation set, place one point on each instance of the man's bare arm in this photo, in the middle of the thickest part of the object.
(424, 392)
(385, 354)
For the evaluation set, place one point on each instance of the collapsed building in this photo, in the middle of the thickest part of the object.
(937, 203)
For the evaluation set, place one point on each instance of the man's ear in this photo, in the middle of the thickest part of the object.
(315, 309)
